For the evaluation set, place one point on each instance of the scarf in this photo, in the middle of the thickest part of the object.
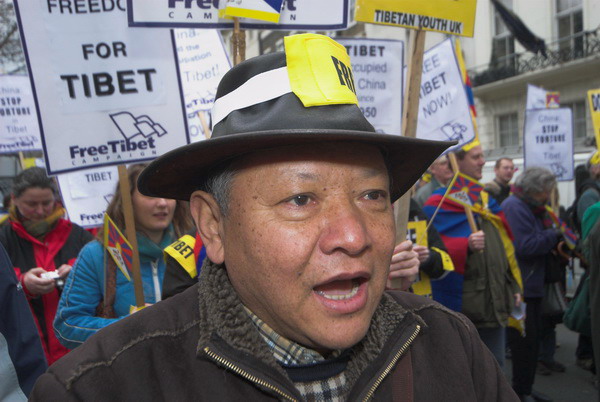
(37, 229)
(150, 251)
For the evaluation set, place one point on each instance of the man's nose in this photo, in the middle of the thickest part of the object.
(345, 230)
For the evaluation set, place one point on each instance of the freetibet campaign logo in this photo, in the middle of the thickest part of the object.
(139, 141)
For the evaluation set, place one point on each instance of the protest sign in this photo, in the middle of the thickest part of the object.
(536, 97)
(594, 101)
(377, 65)
(202, 63)
(455, 17)
(86, 194)
(305, 15)
(548, 141)
(444, 112)
(105, 94)
(19, 129)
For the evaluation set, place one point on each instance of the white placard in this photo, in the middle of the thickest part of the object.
(444, 113)
(536, 97)
(548, 141)
(202, 63)
(305, 15)
(106, 94)
(87, 193)
(377, 65)
(19, 129)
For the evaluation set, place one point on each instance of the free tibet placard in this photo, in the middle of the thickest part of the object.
(305, 15)
(548, 141)
(86, 194)
(377, 65)
(105, 94)
(454, 17)
(444, 113)
(202, 63)
(19, 130)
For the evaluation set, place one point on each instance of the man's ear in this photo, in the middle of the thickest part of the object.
(208, 218)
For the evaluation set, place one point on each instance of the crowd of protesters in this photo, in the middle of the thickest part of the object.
(477, 272)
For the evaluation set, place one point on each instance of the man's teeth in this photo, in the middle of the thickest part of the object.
(346, 296)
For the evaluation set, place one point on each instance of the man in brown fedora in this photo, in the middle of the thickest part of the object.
(292, 197)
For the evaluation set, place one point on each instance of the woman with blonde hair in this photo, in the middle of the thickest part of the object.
(83, 309)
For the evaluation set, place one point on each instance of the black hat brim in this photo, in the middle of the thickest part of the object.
(178, 173)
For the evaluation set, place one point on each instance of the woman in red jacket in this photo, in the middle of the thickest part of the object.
(42, 247)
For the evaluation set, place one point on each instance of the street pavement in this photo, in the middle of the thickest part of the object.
(575, 384)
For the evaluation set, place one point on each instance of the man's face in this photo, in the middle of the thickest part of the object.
(440, 169)
(472, 163)
(308, 240)
(505, 171)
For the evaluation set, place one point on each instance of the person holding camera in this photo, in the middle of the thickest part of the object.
(42, 247)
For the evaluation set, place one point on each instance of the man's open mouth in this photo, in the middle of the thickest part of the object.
(340, 289)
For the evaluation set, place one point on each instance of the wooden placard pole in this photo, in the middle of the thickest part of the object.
(125, 190)
(204, 124)
(468, 212)
(416, 48)
(238, 39)
(22, 160)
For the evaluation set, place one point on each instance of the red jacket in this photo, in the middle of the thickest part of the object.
(60, 246)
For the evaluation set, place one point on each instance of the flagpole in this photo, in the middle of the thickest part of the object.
(125, 190)
(416, 49)
(468, 212)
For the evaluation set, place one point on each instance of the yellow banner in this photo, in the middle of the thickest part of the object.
(326, 78)
(594, 100)
(455, 17)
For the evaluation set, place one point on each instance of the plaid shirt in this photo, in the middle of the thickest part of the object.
(290, 354)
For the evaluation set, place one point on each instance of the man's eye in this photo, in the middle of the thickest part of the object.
(375, 195)
(300, 200)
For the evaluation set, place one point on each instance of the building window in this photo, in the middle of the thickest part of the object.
(579, 118)
(569, 16)
(503, 43)
(507, 129)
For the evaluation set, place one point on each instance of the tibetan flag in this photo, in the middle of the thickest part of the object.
(569, 236)
(465, 78)
(118, 246)
(264, 10)
(464, 190)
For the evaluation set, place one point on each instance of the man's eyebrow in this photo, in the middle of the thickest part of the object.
(307, 176)
(367, 173)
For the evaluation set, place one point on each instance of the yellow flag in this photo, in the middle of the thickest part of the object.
(594, 100)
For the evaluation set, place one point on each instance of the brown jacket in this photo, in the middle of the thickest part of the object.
(201, 345)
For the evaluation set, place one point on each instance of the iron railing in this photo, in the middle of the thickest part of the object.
(578, 46)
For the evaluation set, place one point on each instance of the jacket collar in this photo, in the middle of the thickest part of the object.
(226, 326)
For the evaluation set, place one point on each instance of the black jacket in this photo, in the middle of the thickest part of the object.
(201, 345)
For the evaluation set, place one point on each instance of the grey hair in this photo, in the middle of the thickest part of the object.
(218, 184)
(535, 180)
(31, 178)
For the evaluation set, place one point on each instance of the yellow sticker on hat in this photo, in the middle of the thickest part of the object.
(320, 71)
